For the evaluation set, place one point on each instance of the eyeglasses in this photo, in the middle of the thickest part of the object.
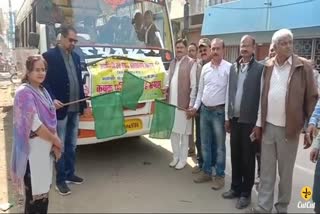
(73, 40)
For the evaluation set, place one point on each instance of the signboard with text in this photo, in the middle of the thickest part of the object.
(106, 76)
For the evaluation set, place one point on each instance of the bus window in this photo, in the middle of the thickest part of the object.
(116, 23)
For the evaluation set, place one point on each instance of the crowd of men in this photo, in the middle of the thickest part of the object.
(263, 105)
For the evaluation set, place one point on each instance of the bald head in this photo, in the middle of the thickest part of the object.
(249, 39)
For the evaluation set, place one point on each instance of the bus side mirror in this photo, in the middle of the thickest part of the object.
(34, 39)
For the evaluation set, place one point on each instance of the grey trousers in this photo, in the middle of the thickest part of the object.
(276, 150)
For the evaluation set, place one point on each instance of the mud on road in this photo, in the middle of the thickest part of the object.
(7, 194)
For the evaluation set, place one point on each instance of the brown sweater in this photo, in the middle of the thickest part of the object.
(184, 88)
(301, 98)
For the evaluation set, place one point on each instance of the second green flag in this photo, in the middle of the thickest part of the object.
(163, 120)
(108, 115)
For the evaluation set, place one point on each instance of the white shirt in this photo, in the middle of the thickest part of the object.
(276, 114)
(40, 161)
(213, 84)
(181, 124)
(174, 86)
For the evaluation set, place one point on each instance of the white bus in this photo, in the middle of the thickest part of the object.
(105, 27)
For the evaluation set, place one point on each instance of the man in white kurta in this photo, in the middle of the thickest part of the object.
(182, 128)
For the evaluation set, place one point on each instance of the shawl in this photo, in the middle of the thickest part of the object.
(27, 103)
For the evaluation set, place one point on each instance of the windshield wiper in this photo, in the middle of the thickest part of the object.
(114, 57)
(93, 56)
(152, 53)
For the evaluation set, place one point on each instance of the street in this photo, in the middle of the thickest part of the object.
(148, 66)
(132, 175)
(5, 79)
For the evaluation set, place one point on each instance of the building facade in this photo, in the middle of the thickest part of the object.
(4, 24)
(196, 14)
(261, 18)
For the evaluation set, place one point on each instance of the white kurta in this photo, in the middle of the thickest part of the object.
(181, 124)
(40, 162)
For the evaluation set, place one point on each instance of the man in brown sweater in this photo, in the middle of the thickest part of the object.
(288, 98)
(181, 90)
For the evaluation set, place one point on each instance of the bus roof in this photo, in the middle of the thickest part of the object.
(24, 10)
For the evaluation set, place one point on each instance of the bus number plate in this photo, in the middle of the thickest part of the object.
(133, 124)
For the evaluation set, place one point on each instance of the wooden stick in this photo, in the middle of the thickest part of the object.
(114, 57)
(77, 101)
(182, 109)
(88, 98)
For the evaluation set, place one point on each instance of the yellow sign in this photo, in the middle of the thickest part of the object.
(107, 76)
(133, 124)
(306, 193)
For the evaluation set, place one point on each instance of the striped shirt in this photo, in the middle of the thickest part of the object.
(314, 120)
(315, 117)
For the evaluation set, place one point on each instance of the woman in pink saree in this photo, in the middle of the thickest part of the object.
(35, 142)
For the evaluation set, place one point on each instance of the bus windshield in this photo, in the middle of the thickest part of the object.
(127, 23)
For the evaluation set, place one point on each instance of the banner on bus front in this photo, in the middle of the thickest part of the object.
(106, 76)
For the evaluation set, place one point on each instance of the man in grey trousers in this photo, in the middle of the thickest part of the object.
(288, 98)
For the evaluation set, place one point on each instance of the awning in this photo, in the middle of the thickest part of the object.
(246, 16)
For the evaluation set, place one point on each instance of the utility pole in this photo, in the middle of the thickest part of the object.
(269, 5)
(186, 20)
(11, 27)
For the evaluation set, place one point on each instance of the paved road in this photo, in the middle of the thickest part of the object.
(4, 79)
(132, 175)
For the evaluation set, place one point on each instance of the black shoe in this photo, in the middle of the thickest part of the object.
(231, 194)
(243, 202)
(63, 189)
(74, 180)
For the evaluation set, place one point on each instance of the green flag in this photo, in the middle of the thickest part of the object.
(132, 89)
(162, 121)
(108, 115)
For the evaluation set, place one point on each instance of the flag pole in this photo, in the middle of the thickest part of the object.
(88, 98)
(84, 99)
(76, 101)
(182, 109)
